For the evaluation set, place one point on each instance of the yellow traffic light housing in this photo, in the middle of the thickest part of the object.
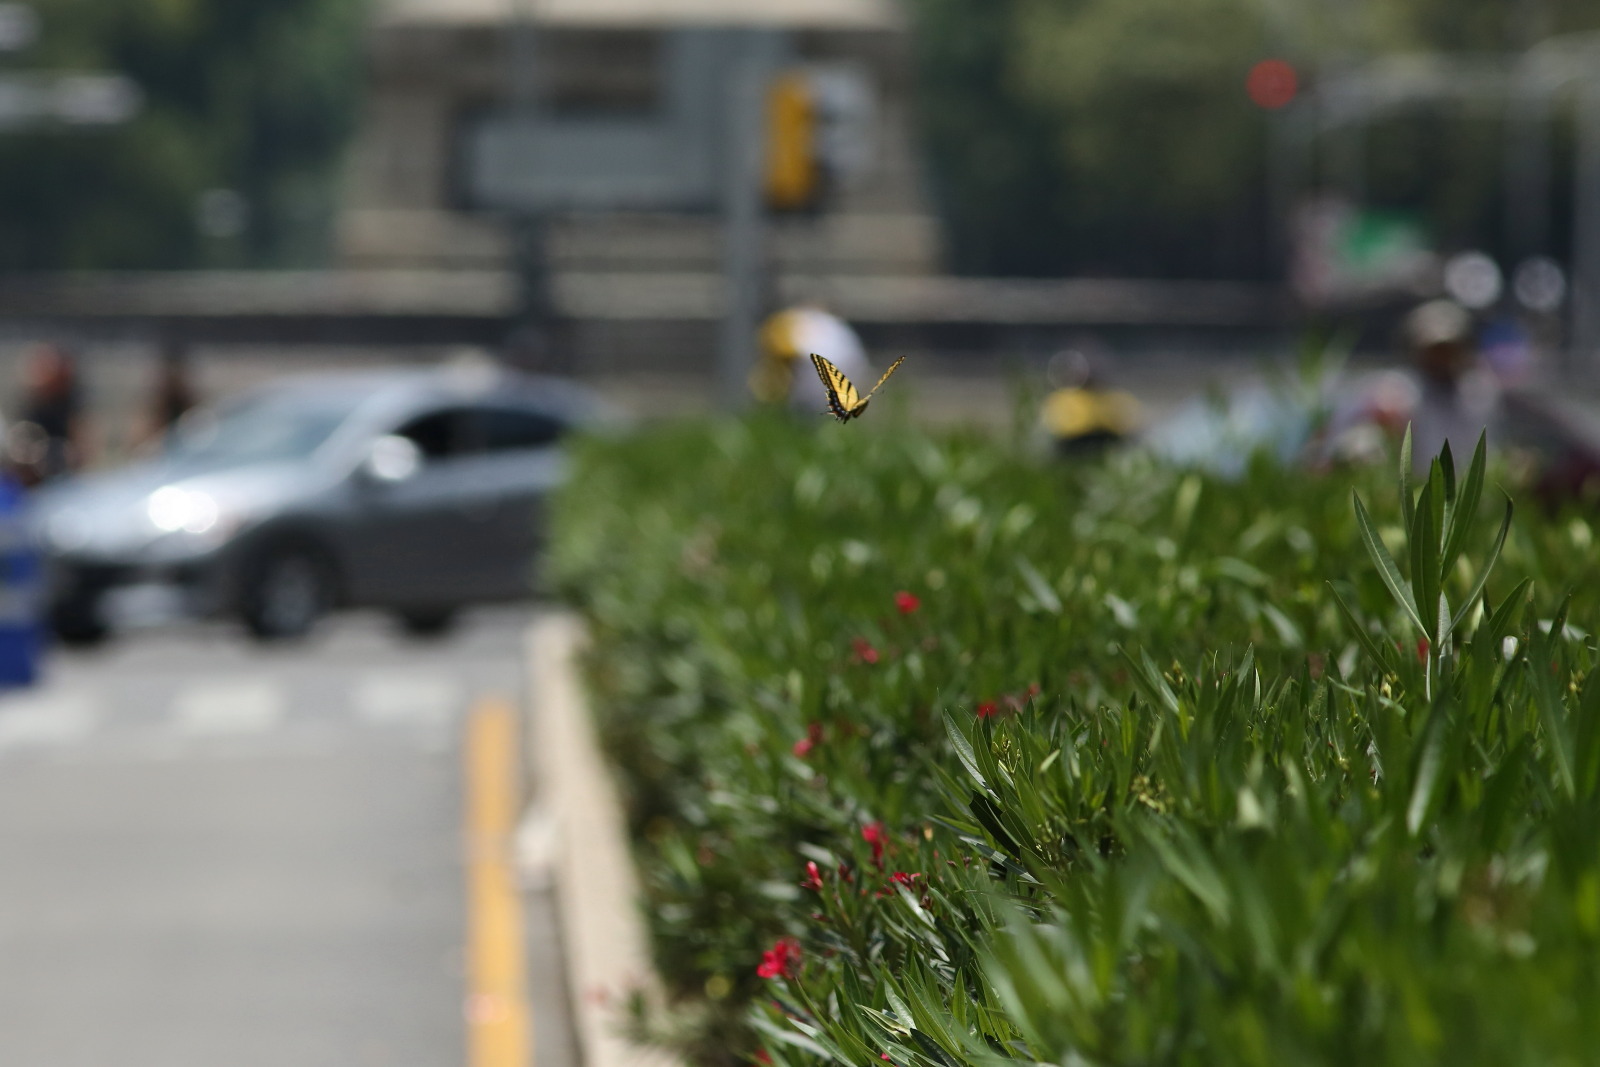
(794, 172)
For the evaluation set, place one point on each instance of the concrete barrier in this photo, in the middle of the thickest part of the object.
(577, 824)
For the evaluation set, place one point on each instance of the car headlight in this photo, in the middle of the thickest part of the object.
(171, 509)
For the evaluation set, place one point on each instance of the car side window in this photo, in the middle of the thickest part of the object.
(512, 429)
(437, 434)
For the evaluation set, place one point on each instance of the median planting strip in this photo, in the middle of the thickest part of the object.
(935, 752)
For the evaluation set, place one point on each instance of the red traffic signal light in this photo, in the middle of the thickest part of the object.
(1272, 84)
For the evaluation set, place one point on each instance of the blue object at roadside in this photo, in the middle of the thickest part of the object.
(21, 579)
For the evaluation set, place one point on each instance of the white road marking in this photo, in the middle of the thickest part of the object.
(236, 706)
(414, 698)
(39, 719)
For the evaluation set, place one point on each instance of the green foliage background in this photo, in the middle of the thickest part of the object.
(251, 95)
(1115, 136)
(1215, 817)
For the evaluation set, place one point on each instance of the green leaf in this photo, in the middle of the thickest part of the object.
(1388, 570)
(1430, 764)
(1372, 649)
(964, 753)
(1447, 466)
(1488, 566)
(1423, 540)
(1046, 596)
(1509, 612)
(1406, 507)
(1465, 511)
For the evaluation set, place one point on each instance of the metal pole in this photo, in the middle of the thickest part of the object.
(1586, 236)
(529, 343)
(1291, 169)
(1527, 174)
(523, 53)
(743, 222)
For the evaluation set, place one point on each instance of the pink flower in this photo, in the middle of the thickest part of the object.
(874, 835)
(1422, 650)
(864, 650)
(781, 960)
(902, 878)
(813, 876)
(987, 709)
(907, 602)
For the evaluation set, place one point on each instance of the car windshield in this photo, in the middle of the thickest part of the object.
(262, 429)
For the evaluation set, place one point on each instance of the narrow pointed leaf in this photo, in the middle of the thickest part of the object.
(964, 753)
(1459, 526)
(1388, 570)
(1405, 477)
(1372, 648)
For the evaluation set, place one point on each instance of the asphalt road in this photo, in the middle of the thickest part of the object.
(216, 853)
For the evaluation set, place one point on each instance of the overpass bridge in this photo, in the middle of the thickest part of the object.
(611, 321)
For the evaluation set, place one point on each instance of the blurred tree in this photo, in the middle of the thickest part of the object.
(1115, 136)
(247, 100)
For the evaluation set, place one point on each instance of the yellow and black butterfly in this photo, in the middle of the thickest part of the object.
(845, 402)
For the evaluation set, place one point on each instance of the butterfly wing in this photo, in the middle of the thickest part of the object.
(843, 399)
(892, 368)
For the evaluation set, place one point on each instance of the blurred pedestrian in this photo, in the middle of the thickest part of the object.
(174, 394)
(50, 436)
(1083, 416)
(783, 371)
(1457, 397)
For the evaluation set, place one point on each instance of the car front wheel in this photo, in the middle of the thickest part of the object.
(285, 592)
(427, 622)
(78, 622)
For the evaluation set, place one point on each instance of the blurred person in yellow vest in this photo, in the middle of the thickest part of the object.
(783, 372)
(1081, 415)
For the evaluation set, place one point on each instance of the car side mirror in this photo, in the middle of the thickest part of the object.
(391, 459)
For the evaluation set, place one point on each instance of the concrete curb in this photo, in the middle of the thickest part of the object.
(579, 823)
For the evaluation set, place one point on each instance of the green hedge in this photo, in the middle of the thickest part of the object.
(938, 753)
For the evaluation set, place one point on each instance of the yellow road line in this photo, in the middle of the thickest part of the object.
(499, 1028)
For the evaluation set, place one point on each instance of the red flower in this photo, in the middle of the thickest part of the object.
(811, 740)
(1422, 650)
(781, 960)
(987, 709)
(1034, 690)
(902, 878)
(813, 876)
(907, 602)
(864, 650)
(874, 835)
(761, 1056)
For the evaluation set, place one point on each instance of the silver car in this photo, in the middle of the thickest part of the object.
(417, 492)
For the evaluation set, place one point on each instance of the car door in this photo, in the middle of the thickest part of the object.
(415, 540)
(517, 461)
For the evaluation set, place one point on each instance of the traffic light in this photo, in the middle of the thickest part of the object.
(794, 171)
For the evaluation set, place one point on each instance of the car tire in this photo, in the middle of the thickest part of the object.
(427, 622)
(78, 623)
(285, 591)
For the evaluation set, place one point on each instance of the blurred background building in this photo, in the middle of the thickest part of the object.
(612, 122)
(1172, 183)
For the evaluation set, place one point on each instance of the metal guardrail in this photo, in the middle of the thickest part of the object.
(470, 306)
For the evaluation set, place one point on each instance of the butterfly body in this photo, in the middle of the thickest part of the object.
(845, 401)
